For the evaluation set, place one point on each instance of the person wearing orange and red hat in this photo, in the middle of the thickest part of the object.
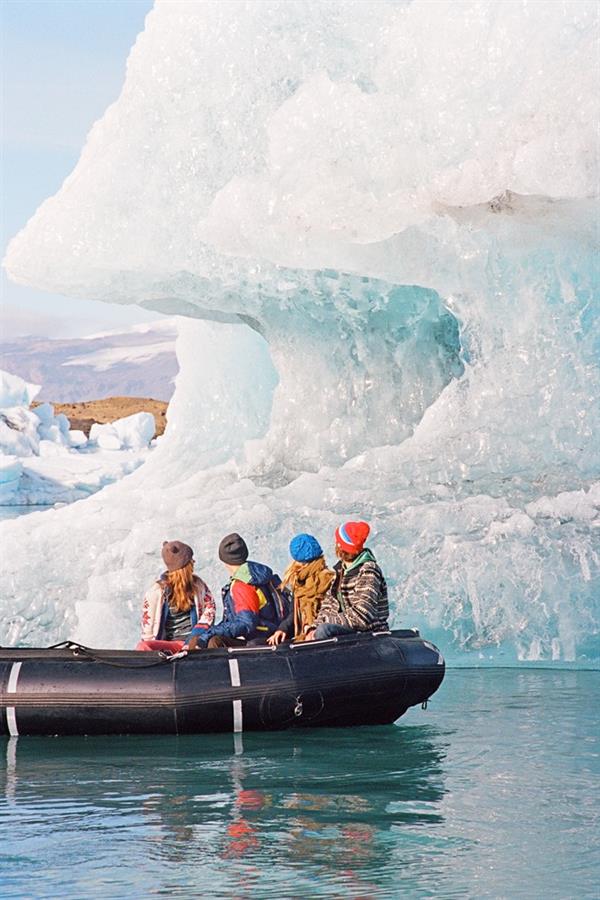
(357, 599)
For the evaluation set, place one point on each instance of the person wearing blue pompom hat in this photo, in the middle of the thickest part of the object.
(308, 578)
(305, 548)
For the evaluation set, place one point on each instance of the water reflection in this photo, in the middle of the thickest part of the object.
(492, 790)
(276, 807)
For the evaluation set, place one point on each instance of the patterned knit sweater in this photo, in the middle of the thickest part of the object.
(358, 596)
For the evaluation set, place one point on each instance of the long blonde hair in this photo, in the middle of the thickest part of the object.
(182, 592)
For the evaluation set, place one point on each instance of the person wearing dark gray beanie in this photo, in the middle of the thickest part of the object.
(233, 550)
(253, 605)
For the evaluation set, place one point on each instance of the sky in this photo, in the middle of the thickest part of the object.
(62, 64)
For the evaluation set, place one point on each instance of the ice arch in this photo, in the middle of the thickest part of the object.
(355, 182)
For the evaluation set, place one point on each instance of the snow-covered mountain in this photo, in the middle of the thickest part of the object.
(140, 362)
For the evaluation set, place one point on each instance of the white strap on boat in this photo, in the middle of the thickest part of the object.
(11, 717)
(304, 644)
(234, 674)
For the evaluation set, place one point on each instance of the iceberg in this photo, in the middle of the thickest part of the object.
(43, 461)
(11, 469)
(14, 391)
(130, 433)
(378, 224)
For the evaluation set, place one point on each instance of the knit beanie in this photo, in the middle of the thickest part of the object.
(233, 550)
(351, 536)
(305, 548)
(176, 555)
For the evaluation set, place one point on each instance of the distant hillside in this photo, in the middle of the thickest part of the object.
(83, 415)
(140, 362)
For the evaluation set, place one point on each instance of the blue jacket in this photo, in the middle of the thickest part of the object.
(248, 608)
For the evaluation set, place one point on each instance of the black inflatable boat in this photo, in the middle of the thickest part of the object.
(358, 679)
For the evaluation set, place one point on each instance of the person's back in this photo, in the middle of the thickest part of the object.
(357, 599)
(308, 578)
(249, 600)
(250, 589)
(177, 602)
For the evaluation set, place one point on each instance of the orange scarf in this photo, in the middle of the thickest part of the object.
(308, 583)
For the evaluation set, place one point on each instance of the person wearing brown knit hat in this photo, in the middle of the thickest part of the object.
(357, 599)
(176, 555)
(176, 603)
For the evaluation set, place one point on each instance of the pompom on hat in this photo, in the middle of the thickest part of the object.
(351, 536)
(176, 555)
(305, 548)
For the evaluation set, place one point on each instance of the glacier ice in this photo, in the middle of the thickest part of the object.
(130, 433)
(41, 458)
(11, 470)
(15, 391)
(383, 217)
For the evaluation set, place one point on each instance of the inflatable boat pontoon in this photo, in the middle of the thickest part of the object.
(358, 679)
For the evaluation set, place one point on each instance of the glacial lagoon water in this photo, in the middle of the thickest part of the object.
(15, 512)
(491, 792)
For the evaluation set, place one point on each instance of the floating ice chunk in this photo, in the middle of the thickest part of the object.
(130, 433)
(63, 424)
(77, 438)
(107, 441)
(49, 447)
(105, 436)
(135, 432)
(53, 433)
(10, 469)
(18, 432)
(14, 391)
(45, 413)
(64, 476)
(10, 476)
(22, 429)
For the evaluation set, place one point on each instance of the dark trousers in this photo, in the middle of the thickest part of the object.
(219, 640)
(329, 630)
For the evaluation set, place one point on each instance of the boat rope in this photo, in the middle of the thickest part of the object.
(80, 650)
